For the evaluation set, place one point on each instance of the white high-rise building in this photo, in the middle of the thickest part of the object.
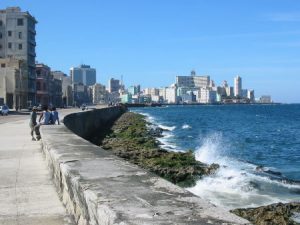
(238, 86)
(193, 81)
(171, 94)
(207, 96)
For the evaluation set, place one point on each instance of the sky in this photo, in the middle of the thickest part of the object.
(150, 42)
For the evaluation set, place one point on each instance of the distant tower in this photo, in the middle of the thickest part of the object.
(225, 84)
(193, 73)
(238, 86)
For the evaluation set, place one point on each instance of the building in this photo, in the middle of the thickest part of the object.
(244, 93)
(99, 94)
(193, 81)
(83, 74)
(207, 96)
(151, 91)
(171, 94)
(55, 92)
(17, 40)
(80, 94)
(265, 99)
(114, 85)
(67, 93)
(43, 79)
(126, 98)
(48, 88)
(13, 83)
(134, 90)
(229, 91)
(238, 86)
(188, 97)
(250, 96)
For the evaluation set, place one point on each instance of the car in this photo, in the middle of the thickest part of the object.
(83, 107)
(4, 110)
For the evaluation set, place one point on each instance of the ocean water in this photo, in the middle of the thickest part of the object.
(257, 147)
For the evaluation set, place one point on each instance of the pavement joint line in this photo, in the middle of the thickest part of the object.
(16, 184)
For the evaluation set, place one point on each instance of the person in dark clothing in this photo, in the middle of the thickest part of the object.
(33, 124)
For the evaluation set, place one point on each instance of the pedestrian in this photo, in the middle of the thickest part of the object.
(33, 123)
(54, 116)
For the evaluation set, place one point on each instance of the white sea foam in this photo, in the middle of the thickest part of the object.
(186, 126)
(169, 128)
(235, 185)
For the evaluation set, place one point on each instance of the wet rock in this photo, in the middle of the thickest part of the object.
(132, 140)
(275, 214)
(156, 132)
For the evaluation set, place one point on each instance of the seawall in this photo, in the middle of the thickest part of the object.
(99, 188)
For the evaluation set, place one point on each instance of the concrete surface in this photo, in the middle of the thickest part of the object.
(99, 188)
(27, 193)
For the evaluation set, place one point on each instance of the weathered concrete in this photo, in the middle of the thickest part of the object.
(27, 193)
(100, 188)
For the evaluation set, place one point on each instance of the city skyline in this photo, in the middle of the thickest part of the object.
(150, 43)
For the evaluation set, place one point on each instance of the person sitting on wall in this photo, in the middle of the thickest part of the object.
(43, 120)
(54, 116)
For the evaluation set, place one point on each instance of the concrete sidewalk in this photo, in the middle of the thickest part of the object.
(27, 194)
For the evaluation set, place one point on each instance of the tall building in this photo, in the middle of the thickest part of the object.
(99, 94)
(193, 81)
(250, 95)
(208, 96)
(13, 83)
(171, 94)
(67, 92)
(238, 86)
(43, 84)
(114, 85)
(17, 40)
(83, 74)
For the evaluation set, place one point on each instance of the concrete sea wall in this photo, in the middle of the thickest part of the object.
(98, 188)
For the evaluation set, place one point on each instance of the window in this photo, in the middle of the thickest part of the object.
(1, 23)
(20, 22)
(9, 33)
(20, 35)
(0, 46)
(0, 35)
(2, 65)
(9, 45)
(38, 86)
(20, 46)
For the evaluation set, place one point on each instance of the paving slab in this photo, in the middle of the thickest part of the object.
(27, 193)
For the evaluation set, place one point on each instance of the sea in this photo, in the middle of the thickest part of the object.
(256, 146)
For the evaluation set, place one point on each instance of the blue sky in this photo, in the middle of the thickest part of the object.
(149, 42)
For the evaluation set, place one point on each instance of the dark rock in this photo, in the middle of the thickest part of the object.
(156, 132)
(275, 214)
(132, 140)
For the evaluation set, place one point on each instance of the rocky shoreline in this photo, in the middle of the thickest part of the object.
(134, 139)
(131, 139)
(275, 214)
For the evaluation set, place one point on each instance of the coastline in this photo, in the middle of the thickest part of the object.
(278, 213)
(131, 139)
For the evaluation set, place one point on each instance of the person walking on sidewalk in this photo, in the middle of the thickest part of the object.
(33, 123)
